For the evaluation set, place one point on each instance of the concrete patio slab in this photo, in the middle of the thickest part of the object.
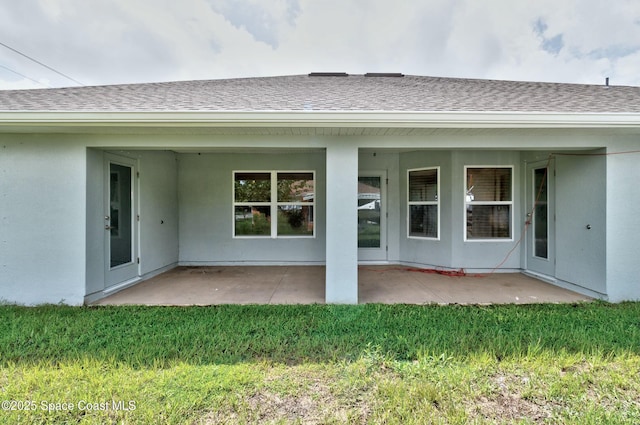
(399, 284)
(305, 285)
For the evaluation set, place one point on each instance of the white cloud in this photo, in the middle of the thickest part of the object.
(264, 21)
(118, 41)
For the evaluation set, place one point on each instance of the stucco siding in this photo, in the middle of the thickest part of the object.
(623, 222)
(157, 207)
(479, 255)
(341, 223)
(427, 252)
(581, 220)
(205, 192)
(52, 246)
(158, 210)
(42, 220)
(451, 250)
(96, 210)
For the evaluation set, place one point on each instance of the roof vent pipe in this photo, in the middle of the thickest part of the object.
(606, 81)
(328, 74)
(384, 74)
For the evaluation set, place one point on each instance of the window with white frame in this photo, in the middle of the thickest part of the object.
(489, 203)
(273, 203)
(424, 203)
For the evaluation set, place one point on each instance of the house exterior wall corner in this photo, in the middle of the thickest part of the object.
(42, 220)
(623, 225)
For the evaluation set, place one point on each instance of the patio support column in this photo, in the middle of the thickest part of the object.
(341, 284)
(623, 226)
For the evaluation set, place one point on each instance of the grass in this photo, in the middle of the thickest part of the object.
(322, 364)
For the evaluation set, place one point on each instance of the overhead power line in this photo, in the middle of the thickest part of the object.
(41, 64)
(24, 76)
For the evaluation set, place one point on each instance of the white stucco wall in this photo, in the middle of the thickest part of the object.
(341, 222)
(451, 250)
(205, 192)
(52, 217)
(42, 220)
(477, 255)
(157, 207)
(427, 252)
(581, 202)
(623, 222)
(158, 210)
(95, 222)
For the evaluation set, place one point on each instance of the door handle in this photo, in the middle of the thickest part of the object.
(107, 227)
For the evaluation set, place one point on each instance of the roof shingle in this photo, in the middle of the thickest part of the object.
(353, 93)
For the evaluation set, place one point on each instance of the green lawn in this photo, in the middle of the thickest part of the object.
(321, 364)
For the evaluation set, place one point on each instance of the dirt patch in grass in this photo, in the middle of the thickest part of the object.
(509, 408)
(267, 407)
(295, 396)
(271, 407)
(508, 403)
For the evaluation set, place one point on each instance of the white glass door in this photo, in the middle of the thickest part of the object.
(540, 218)
(372, 215)
(120, 220)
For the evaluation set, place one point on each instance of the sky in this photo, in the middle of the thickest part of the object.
(98, 42)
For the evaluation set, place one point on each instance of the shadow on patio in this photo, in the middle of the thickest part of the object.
(305, 285)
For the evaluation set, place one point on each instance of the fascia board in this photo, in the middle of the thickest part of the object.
(326, 119)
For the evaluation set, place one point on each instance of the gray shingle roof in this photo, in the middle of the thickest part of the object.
(352, 93)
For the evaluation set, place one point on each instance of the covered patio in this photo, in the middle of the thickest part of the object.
(389, 284)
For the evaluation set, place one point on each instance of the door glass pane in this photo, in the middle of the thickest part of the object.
(121, 237)
(540, 214)
(369, 212)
